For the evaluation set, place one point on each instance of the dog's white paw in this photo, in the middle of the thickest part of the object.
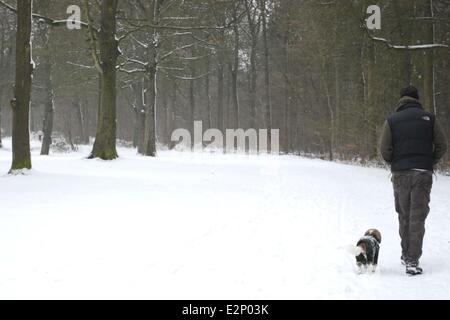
(372, 268)
(361, 269)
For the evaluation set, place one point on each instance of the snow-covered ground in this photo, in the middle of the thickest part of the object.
(206, 226)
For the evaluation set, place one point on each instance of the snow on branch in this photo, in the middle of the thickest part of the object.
(7, 6)
(80, 65)
(389, 45)
(194, 58)
(190, 78)
(410, 47)
(171, 68)
(129, 71)
(179, 18)
(168, 54)
(176, 34)
(144, 64)
(169, 27)
(143, 45)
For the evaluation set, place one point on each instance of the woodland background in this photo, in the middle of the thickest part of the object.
(309, 68)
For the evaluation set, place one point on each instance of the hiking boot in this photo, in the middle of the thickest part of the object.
(413, 269)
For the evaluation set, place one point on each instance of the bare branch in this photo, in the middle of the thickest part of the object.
(133, 71)
(178, 49)
(389, 45)
(171, 68)
(179, 18)
(144, 64)
(189, 78)
(80, 65)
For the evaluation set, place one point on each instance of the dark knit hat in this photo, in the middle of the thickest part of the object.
(410, 91)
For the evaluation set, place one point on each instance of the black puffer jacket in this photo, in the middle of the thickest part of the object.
(412, 138)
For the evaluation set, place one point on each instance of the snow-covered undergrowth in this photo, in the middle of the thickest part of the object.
(206, 226)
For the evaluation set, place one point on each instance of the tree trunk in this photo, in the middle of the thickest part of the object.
(192, 106)
(254, 79)
(105, 138)
(48, 114)
(208, 96)
(253, 28)
(173, 104)
(1, 101)
(403, 10)
(372, 86)
(46, 67)
(140, 117)
(268, 97)
(85, 117)
(428, 79)
(165, 108)
(141, 130)
(149, 148)
(136, 111)
(332, 122)
(137, 108)
(22, 89)
(235, 70)
(192, 103)
(68, 128)
(2, 59)
(287, 131)
(151, 78)
(80, 119)
(220, 96)
(337, 99)
(1, 144)
(228, 112)
(32, 117)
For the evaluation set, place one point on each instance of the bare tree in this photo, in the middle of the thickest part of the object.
(253, 19)
(46, 68)
(22, 91)
(268, 96)
(235, 65)
(105, 62)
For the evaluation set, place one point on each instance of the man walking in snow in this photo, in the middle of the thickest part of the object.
(412, 142)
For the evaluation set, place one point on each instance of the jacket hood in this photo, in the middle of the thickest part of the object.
(408, 102)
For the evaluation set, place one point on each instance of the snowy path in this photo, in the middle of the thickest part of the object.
(201, 226)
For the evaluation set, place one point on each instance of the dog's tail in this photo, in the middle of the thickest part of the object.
(354, 250)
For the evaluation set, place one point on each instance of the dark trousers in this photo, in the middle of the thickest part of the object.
(412, 191)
